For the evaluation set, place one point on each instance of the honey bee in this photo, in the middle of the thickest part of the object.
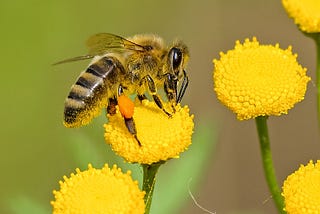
(135, 66)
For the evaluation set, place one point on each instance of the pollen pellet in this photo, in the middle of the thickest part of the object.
(126, 106)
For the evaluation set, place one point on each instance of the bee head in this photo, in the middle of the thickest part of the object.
(178, 57)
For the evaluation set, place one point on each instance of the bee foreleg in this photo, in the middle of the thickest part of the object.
(170, 88)
(155, 96)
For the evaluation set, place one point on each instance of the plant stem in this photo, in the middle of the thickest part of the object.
(316, 38)
(262, 128)
(149, 180)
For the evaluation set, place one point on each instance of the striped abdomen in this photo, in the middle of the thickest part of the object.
(89, 94)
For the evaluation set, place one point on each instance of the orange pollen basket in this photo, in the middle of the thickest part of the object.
(126, 106)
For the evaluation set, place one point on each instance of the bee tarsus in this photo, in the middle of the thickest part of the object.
(132, 128)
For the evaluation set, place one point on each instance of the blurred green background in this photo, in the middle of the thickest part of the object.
(36, 150)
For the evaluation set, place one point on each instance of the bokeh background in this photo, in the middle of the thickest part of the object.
(222, 169)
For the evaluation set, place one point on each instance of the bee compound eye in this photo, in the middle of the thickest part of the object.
(176, 57)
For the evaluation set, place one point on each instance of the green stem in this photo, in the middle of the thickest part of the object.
(262, 129)
(316, 38)
(149, 180)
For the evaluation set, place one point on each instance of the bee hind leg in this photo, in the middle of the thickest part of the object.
(129, 122)
(126, 108)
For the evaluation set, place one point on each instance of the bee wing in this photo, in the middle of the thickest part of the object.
(78, 58)
(103, 42)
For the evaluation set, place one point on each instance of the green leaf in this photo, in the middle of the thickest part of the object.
(23, 205)
(85, 151)
(87, 145)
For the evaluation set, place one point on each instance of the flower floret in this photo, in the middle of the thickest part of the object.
(258, 80)
(301, 190)
(161, 137)
(98, 191)
(305, 14)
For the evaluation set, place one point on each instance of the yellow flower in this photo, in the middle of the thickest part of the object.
(301, 190)
(161, 137)
(305, 14)
(258, 80)
(98, 191)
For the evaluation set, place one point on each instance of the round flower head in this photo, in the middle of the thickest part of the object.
(305, 14)
(161, 137)
(98, 191)
(258, 80)
(301, 190)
